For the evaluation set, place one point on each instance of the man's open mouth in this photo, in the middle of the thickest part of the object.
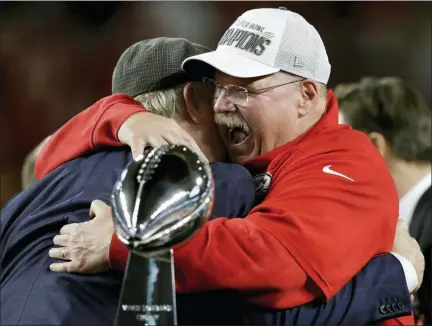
(237, 135)
(235, 128)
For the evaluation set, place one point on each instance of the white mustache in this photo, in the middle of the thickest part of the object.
(231, 120)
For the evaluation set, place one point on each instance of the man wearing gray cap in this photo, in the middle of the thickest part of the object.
(316, 204)
(31, 294)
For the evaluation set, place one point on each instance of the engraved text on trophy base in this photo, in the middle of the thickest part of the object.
(146, 313)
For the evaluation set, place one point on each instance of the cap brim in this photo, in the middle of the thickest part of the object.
(230, 64)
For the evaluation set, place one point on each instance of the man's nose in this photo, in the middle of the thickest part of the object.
(222, 104)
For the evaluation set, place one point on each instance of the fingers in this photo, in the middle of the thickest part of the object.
(68, 228)
(138, 145)
(402, 229)
(158, 131)
(181, 137)
(408, 247)
(61, 240)
(63, 254)
(66, 267)
(186, 140)
(178, 140)
(168, 133)
(155, 142)
(99, 208)
(59, 253)
(191, 144)
(402, 224)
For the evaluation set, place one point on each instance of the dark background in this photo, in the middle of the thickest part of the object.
(56, 58)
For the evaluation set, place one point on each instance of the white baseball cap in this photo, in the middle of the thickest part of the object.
(264, 41)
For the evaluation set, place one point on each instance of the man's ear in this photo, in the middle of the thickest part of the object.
(380, 143)
(309, 96)
(191, 109)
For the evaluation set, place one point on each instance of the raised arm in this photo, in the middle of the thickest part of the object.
(111, 122)
(94, 127)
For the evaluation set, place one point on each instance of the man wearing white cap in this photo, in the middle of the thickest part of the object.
(326, 200)
(268, 54)
(327, 189)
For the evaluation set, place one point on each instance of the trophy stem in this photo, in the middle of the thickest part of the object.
(148, 291)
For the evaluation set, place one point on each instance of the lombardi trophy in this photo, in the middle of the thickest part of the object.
(161, 200)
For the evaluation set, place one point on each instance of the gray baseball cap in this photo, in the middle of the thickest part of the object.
(153, 65)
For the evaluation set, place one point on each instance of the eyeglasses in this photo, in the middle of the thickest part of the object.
(238, 94)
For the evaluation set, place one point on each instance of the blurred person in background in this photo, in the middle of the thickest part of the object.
(31, 294)
(397, 119)
(311, 137)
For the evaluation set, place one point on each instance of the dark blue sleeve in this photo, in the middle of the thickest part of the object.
(377, 292)
(234, 190)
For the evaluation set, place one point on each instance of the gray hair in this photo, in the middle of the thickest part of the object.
(167, 102)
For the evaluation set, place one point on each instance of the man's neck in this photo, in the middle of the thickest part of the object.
(407, 174)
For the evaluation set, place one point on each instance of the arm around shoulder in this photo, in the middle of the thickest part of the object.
(97, 126)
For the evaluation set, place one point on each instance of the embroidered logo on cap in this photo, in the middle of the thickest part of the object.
(298, 62)
(247, 36)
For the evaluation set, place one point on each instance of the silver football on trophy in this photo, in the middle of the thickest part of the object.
(162, 199)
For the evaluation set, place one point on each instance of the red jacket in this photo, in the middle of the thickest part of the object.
(311, 234)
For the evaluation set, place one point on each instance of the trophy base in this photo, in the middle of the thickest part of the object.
(148, 291)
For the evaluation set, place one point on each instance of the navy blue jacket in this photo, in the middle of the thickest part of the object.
(33, 295)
